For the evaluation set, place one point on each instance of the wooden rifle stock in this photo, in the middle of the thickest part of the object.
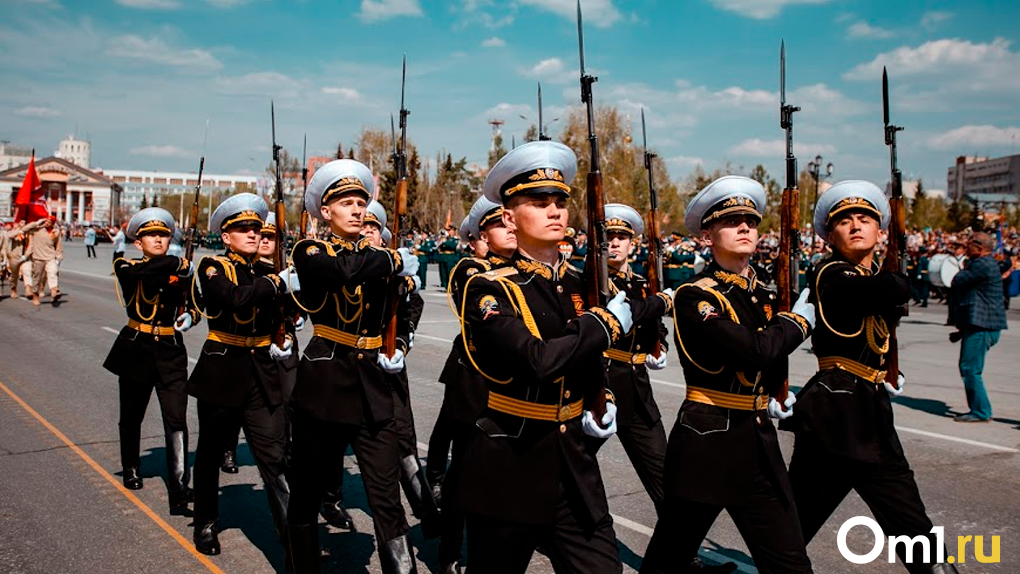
(400, 213)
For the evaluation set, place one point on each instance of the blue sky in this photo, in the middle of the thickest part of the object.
(140, 77)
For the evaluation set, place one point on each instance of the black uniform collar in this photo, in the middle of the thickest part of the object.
(529, 266)
(496, 260)
(837, 256)
(342, 243)
(730, 278)
(626, 275)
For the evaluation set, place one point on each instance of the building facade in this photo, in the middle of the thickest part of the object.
(981, 175)
(73, 193)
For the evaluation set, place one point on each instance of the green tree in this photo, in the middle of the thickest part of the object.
(498, 150)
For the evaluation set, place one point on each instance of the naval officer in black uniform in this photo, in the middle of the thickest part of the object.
(342, 395)
(527, 477)
(723, 451)
(149, 352)
(846, 439)
(237, 379)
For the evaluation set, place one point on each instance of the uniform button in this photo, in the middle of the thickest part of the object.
(364, 331)
(559, 288)
(563, 428)
(566, 394)
(758, 418)
(754, 299)
(253, 351)
(637, 347)
(367, 305)
(361, 355)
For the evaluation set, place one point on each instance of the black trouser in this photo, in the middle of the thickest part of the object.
(439, 446)
(90, 251)
(452, 538)
(501, 547)
(264, 430)
(821, 480)
(646, 448)
(173, 405)
(316, 443)
(768, 526)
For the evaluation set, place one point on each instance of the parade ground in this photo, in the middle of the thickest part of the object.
(63, 509)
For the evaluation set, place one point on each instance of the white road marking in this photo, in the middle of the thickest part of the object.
(438, 321)
(430, 338)
(84, 274)
(958, 439)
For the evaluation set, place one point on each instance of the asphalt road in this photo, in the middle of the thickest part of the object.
(62, 508)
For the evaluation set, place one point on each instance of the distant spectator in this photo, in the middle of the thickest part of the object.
(90, 242)
(980, 316)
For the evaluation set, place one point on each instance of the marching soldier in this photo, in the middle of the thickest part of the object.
(342, 396)
(639, 424)
(723, 451)
(844, 421)
(447, 256)
(465, 395)
(149, 352)
(237, 379)
(527, 478)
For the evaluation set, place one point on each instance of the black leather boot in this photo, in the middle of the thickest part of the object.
(278, 492)
(449, 568)
(396, 557)
(336, 515)
(178, 472)
(206, 539)
(229, 465)
(132, 480)
(944, 568)
(303, 543)
(419, 495)
(698, 566)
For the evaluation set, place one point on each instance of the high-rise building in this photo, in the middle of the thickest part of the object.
(983, 176)
(76, 151)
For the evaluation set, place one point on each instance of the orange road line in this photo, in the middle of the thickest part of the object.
(186, 544)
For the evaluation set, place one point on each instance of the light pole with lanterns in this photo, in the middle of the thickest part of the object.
(815, 169)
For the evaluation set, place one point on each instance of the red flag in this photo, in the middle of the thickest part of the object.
(30, 203)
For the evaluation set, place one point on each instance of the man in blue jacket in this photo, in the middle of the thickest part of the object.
(980, 315)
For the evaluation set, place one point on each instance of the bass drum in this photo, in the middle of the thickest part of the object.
(942, 268)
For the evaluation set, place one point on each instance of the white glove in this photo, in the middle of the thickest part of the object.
(900, 381)
(656, 363)
(777, 412)
(804, 309)
(279, 354)
(289, 277)
(187, 272)
(668, 292)
(394, 365)
(417, 282)
(410, 262)
(620, 309)
(183, 322)
(591, 428)
(299, 323)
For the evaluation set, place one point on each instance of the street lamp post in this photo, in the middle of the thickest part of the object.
(815, 169)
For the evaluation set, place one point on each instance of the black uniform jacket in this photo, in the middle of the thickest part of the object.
(527, 331)
(629, 380)
(240, 300)
(344, 287)
(153, 291)
(850, 415)
(729, 340)
(465, 395)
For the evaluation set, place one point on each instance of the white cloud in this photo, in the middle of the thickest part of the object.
(760, 9)
(984, 136)
(756, 147)
(343, 95)
(549, 66)
(551, 71)
(865, 30)
(160, 151)
(375, 10)
(494, 42)
(943, 58)
(507, 111)
(685, 162)
(933, 19)
(258, 84)
(600, 13)
(157, 51)
(38, 112)
(150, 4)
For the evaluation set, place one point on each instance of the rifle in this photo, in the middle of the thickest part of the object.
(541, 129)
(280, 254)
(596, 267)
(787, 264)
(654, 241)
(191, 236)
(895, 254)
(303, 231)
(400, 226)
